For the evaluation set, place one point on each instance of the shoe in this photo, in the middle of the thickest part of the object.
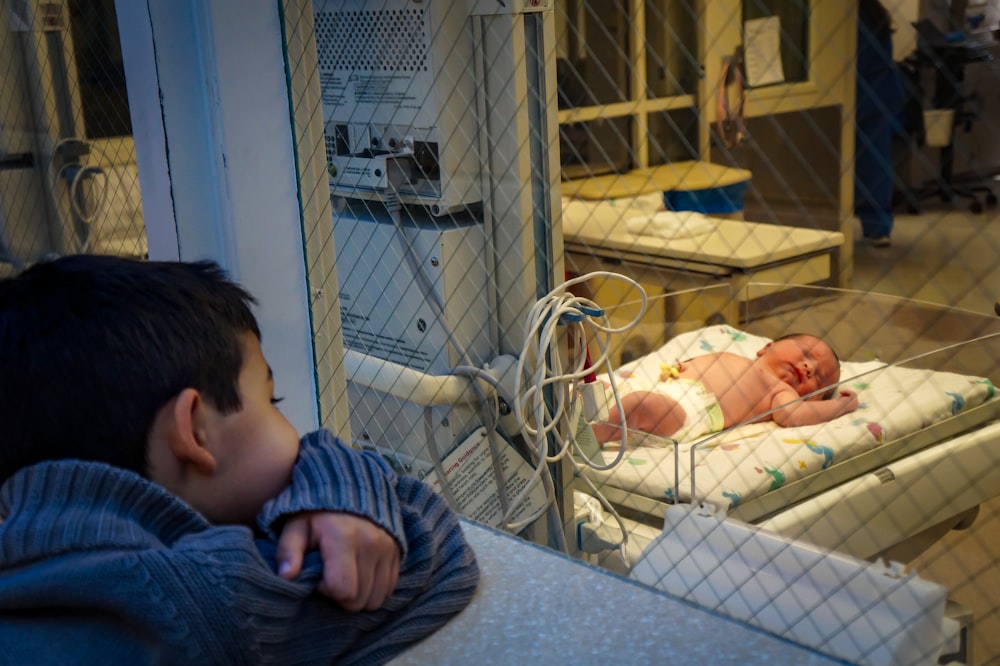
(879, 241)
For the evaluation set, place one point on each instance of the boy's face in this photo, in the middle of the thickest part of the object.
(805, 363)
(256, 446)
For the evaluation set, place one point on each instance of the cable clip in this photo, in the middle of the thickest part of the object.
(577, 317)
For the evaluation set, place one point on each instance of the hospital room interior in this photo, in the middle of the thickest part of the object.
(475, 229)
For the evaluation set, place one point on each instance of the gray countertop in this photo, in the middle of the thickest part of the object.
(536, 606)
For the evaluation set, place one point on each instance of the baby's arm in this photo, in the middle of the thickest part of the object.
(795, 412)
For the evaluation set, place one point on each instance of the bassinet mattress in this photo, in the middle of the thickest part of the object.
(747, 461)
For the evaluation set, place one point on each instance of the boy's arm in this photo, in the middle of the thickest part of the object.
(331, 476)
(342, 503)
(238, 611)
(438, 578)
(794, 412)
(438, 573)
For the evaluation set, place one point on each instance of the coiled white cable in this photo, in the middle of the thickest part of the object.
(82, 173)
(75, 199)
(540, 376)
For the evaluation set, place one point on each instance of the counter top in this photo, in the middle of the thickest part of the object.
(536, 606)
(596, 227)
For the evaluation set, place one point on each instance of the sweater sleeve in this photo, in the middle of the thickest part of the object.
(88, 540)
(438, 578)
(331, 476)
(438, 569)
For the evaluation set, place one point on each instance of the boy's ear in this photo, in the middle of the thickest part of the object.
(760, 352)
(187, 432)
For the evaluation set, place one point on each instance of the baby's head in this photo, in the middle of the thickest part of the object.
(154, 367)
(804, 362)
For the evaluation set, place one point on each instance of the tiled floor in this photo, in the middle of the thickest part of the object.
(951, 258)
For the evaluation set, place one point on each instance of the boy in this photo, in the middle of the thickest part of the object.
(715, 391)
(141, 439)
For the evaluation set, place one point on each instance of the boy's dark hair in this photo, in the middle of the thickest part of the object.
(832, 393)
(92, 347)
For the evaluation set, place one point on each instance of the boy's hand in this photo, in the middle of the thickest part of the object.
(360, 559)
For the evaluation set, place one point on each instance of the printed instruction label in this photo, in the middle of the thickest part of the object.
(469, 471)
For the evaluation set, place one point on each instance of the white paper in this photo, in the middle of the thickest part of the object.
(762, 51)
(469, 471)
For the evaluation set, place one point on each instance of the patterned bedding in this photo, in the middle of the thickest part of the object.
(750, 460)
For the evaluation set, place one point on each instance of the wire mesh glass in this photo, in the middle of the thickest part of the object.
(714, 152)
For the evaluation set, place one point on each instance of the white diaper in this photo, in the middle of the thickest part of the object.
(703, 414)
(702, 409)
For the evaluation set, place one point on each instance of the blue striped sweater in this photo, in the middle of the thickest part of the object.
(99, 565)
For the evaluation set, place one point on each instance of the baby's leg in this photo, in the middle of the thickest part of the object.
(644, 411)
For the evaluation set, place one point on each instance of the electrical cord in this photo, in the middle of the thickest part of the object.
(83, 221)
(540, 369)
(488, 407)
(559, 307)
(82, 174)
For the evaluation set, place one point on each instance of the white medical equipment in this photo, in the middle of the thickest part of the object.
(424, 314)
(417, 99)
(865, 613)
(398, 85)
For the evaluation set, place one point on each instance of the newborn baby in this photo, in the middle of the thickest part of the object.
(709, 393)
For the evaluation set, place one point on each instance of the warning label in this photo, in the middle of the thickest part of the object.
(469, 471)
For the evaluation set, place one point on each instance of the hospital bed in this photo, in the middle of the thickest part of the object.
(916, 460)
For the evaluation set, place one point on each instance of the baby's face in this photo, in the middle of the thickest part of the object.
(805, 363)
(258, 445)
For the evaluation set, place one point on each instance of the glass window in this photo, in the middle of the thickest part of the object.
(671, 48)
(596, 147)
(673, 136)
(101, 75)
(592, 60)
(610, 84)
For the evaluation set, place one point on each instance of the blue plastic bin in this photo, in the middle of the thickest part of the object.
(710, 201)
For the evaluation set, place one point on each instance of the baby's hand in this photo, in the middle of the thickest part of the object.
(360, 559)
(848, 400)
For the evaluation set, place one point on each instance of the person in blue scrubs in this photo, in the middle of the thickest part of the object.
(880, 97)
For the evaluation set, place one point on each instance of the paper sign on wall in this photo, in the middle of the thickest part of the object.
(762, 51)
